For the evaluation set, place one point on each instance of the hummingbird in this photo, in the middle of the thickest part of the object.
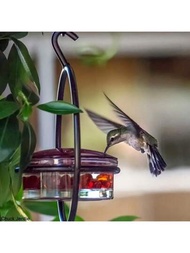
(132, 134)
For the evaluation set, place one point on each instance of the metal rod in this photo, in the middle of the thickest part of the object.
(77, 144)
(68, 72)
(60, 95)
(61, 210)
(56, 46)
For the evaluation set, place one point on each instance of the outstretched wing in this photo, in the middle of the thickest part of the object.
(104, 124)
(124, 117)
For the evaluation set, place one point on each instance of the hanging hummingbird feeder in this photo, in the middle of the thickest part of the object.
(50, 175)
(69, 174)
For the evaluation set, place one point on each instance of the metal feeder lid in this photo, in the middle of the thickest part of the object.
(63, 160)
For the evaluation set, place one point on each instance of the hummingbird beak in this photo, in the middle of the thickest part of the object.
(106, 149)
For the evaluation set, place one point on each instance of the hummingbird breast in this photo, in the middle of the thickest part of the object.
(134, 141)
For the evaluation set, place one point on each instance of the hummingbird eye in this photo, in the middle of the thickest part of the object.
(112, 139)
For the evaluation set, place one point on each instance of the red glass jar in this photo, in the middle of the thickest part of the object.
(50, 175)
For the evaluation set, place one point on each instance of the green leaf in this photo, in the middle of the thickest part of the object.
(5, 208)
(17, 73)
(3, 72)
(19, 195)
(77, 218)
(3, 44)
(5, 193)
(92, 55)
(26, 112)
(56, 218)
(28, 144)
(13, 212)
(17, 35)
(31, 96)
(59, 107)
(48, 208)
(42, 207)
(15, 173)
(7, 108)
(9, 137)
(125, 218)
(27, 63)
(95, 56)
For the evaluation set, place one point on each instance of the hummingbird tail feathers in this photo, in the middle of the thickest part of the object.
(156, 162)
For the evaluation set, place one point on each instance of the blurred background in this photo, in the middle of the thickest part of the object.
(148, 76)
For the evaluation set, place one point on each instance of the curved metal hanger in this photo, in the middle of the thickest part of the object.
(68, 73)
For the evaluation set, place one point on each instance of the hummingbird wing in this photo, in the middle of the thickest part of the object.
(131, 123)
(103, 123)
(124, 117)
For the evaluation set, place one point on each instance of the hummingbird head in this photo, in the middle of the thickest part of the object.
(113, 137)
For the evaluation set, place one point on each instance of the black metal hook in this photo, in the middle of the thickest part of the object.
(56, 46)
(67, 72)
